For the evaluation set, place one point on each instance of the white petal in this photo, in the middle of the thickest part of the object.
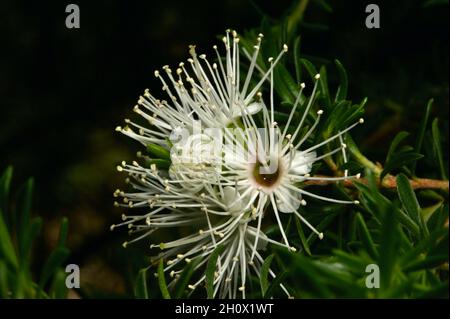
(253, 108)
(287, 201)
(302, 163)
(232, 199)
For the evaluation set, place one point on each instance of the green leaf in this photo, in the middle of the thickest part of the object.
(389, 242)
(275, 284)
(23, 231)
(286, 87)
(54, 261)
(4, 284)
(5, 182)
(323, 85)
(59, 289)
(309, 67)
(183, 280)
(6, 246)
(439, 291)
(211, 269)
(409, 201)
(162, 280)
(301, 234)
(422, 130)
(34, 231)
(264, 275)
(324, 5)
(437, 147)
(158, 151)
(427, 263)
(424, 246)
(398, 160)
(366, 237)
(395, 142)
(298, 69)
(341, 92)
(63, 231)
(140, 286)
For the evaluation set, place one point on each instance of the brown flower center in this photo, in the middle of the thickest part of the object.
(263, 179)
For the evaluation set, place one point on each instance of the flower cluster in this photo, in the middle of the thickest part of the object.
(218, 187)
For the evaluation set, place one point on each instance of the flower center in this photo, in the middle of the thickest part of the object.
(266, 179)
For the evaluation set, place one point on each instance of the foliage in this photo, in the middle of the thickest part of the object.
(18, 233)
(401, 230)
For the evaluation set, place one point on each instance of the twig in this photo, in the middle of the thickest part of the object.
(389, 182)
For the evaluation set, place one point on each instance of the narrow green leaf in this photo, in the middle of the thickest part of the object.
(140, 286)
(366, 237)
(409, 201)
(58, 289)
(5, 182)
(183, 280)
(427, 263)
(264, 275)
(301, 234)
(162, 280)
(286, 86)
(324, 5)
(407, 221)
(398, 160)
(25, 201)
(275, 284)
(323, 84)
(422, 130)
(395, 142)
(54, 261)
(63, 231)
(439, 291)
(298, 69)
(424, 246)
(341, 92)
(6, 245)
(389, 242)
(34, 231)
(4, 284)
(309, 67)
(437, 147)
(211, 269)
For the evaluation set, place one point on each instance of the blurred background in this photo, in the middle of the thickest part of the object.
(63, 91)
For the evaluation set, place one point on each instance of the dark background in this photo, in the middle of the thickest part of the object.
(63, 91)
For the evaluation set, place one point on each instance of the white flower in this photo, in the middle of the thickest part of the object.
(190, 193)
(218, 187)
(213, 94)
(212, 218)
(268, 166)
